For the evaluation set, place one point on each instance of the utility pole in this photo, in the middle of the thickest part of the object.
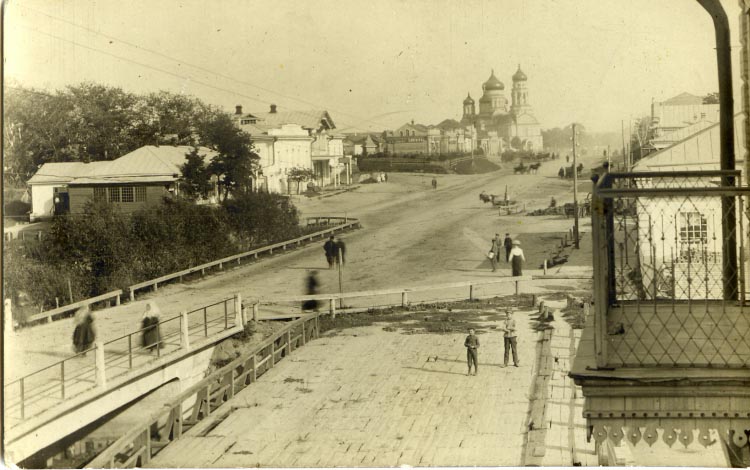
(624, 157)
(575, 189)
(340, 262)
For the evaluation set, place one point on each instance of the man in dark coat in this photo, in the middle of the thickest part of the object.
(84, 334)
(341, 248)
(330, 249)
(508, 244)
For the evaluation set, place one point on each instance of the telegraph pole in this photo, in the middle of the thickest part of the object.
(575, 189)
(624, 157)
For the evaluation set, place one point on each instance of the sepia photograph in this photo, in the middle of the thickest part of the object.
(287, 234)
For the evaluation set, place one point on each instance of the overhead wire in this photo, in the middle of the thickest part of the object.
(197, 67)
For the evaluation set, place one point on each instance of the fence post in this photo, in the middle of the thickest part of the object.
(256, 307)
(184, 331)
(117, 302)
(101, 375)
(333, 307)
(471, 291)
(238, 310)
(545, 267)
(404, 298)
(132, 294)
(516, 287)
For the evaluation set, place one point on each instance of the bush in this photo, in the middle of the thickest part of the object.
(104, 249)
(17, 208)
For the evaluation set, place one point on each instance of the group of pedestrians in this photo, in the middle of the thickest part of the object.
(84, 333)
(513, 253)
(335, 250)
(509, 340)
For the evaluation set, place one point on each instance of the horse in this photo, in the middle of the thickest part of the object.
(533, 168)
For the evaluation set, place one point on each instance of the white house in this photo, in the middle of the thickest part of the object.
(684, 235)
(295, 139)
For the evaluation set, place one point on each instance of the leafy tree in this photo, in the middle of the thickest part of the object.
(300, 175)
(711, 98)
(236, 163)
(640, 137)
(196, 179)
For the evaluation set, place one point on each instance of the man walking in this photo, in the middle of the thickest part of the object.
(330, 249)
(510, 338)
(434, 183)
(508, 243)
(472, 344)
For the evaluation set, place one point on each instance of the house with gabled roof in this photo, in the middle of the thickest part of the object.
(142, 177)
(287, 140)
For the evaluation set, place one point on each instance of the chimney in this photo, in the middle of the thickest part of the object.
(238, 109)
(412, 122)
(273, 109)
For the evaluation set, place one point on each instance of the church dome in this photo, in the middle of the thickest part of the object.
(493, 83)
(519, 76)
(469, 99)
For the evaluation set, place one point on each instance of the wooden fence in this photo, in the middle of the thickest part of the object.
(141, 443)
(336, 224)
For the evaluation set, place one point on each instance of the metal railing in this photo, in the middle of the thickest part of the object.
(41, 390)
(138, 446)
(668, 271)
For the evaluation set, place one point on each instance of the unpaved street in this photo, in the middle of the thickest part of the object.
(412, 235)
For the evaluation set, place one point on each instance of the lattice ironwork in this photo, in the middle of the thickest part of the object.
(671, 246)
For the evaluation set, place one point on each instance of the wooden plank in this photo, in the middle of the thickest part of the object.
(74, 306)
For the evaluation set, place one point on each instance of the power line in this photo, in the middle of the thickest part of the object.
(198, 67)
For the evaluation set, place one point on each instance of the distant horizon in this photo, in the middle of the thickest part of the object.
(597, 62)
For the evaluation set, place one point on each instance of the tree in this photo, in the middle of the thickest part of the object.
(300, 175)
(711, 98)
(236, 163)
(640, 137)
(196, 179)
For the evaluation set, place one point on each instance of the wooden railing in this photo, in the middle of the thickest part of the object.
(142, 442)
(116, 294)
(38, 391)
(340, 223)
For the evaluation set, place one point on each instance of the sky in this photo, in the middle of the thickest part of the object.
(376, 64)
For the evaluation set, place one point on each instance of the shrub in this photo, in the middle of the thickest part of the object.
(17, 208)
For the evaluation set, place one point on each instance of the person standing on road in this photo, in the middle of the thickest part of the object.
(510, 338)
(311, 288)
(434, 183)
(472, 344)
(340, 251)
(516, 259)
(330, 249)
(494, 253)
(83, 334)
(508, 244)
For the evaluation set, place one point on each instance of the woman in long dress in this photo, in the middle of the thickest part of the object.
(150, 326)
(84, 334)
(516, 258)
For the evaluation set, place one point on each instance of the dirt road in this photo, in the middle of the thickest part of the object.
(413, 235)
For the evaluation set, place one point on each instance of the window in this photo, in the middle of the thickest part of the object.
(126, 194)
(693, 234)
(247, 121)
(114, 194)
(100, 194)
(140, 194)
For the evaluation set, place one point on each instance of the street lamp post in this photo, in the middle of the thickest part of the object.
(575, 189)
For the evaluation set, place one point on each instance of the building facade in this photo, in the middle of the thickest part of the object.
(289, 140)
(501, 124)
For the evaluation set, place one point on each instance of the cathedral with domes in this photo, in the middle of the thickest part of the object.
(500, 126)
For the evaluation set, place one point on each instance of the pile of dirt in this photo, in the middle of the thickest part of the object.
(436, 318)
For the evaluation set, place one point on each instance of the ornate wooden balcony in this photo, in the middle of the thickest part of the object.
(666, 353)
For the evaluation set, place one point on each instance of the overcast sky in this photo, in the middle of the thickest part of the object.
(378, 63)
